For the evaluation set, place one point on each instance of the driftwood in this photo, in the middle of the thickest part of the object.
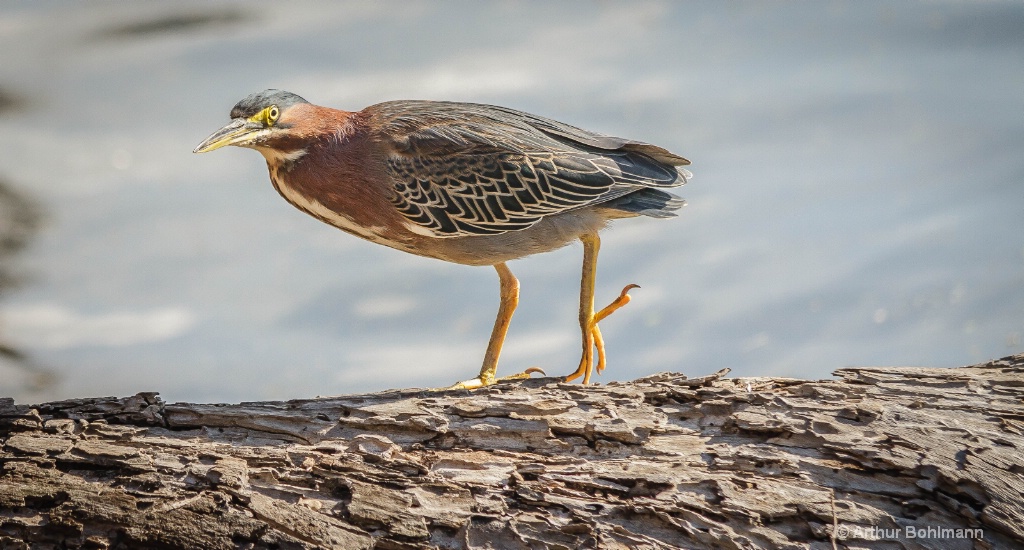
(880, 458)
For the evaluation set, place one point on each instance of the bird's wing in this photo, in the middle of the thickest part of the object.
(467, 169)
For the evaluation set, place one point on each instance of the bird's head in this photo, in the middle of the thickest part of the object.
(268, 121)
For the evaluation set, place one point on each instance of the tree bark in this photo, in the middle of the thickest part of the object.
(880, 458)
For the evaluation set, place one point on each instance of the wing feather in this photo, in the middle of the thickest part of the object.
(467, 169)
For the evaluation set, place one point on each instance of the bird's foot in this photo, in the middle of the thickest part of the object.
(485, 380)
(592, 339)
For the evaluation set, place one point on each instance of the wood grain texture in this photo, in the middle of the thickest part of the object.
(660, 462)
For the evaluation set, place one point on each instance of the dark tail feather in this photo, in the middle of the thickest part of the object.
(648, 202)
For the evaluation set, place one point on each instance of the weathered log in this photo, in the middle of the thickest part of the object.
(880, 457)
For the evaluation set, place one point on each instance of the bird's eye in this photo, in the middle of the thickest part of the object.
(272, 113)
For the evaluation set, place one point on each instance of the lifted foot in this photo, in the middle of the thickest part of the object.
(592, 338)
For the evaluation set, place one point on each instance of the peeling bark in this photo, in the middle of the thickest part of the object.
(660, 462)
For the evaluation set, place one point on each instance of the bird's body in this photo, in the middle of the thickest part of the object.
(461, 182)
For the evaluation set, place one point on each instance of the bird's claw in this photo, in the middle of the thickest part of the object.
(622, 300)
(483, 380)
(525, 375)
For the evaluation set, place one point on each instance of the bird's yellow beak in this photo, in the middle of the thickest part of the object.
(240, 132)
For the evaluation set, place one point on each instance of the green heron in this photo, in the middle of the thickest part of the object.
(466, 183)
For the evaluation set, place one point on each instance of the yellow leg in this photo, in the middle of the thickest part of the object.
(591, 245)
(592, 338)
(507, 306)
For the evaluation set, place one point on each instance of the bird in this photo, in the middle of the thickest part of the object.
(468, 183)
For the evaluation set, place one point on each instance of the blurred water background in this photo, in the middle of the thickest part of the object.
(858, 196)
